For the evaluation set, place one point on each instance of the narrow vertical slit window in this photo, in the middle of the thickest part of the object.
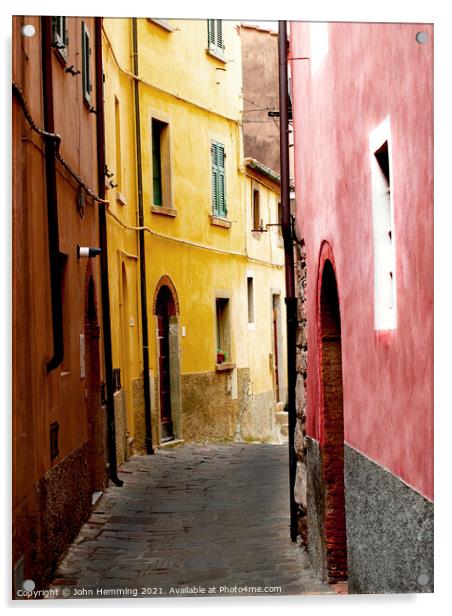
(65, 305)
(222, 329)
(250, 292)
(118, 145)
(279, 220)
(86, 64)
(383, 235)
(161, 164)
(256, 209)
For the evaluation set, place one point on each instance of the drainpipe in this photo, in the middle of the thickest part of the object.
(144, 310)
(291, 300)
(51, 195)
(106, 321)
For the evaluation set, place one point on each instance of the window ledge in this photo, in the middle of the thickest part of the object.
(224, 366)
(164, 211)
(61, 53)
(162, 23)
(216, 55)
(120, 198)
(219, 222)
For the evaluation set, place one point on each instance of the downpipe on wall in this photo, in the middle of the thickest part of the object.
(144, 309)
(50, 145)
(106, 321)
(291, 300)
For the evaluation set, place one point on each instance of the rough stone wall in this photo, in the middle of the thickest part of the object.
(120, 427)
(139, 437)
(300, 393)
(208, 412)
(53, 515)
(316, 508)
(389, 530)
(258, 419)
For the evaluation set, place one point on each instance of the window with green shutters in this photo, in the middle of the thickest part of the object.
(218, 156)
(215, 35)
(60, 39)
(86, 64)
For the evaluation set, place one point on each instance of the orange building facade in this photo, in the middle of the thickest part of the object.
(59, 420)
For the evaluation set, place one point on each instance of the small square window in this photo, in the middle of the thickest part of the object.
(54, 449)
(223, 330)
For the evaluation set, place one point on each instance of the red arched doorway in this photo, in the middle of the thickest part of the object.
(165, 309)
(332, 429)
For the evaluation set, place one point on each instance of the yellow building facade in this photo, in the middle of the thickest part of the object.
(214, 287)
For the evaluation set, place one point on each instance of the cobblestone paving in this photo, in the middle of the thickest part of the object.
(199, 516)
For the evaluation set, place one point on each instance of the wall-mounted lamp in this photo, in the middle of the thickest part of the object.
(86, 251)
(28, 30)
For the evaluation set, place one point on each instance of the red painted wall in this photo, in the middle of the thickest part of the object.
(371, 71)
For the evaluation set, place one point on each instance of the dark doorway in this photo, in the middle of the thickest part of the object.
(90, 371)
(332, 430)
(164, 309)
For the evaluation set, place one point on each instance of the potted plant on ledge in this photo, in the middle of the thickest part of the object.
(222, 356)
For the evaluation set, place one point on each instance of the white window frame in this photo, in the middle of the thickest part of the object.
(384, 251)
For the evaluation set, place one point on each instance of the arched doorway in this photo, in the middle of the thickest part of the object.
(332, 429)
(166, 310)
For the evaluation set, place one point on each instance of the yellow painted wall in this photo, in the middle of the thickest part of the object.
(122, 245)
(181, 86)
(266, 262)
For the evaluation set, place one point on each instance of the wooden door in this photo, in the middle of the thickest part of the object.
(166, 423)
(275, 353)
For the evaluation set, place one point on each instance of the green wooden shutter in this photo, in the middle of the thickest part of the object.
(54, 29)
(210, 33)
(214, 156)
(221, 182)
(219, 34)
(65, 32)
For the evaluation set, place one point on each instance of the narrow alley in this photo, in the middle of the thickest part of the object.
(212, 517)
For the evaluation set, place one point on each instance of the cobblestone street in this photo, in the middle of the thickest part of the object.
(210, 516)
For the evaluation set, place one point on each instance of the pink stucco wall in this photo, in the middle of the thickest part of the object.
(371, 71)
